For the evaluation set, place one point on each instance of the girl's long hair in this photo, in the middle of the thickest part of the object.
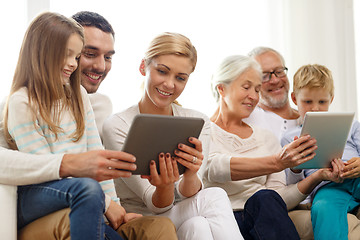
(41, 59)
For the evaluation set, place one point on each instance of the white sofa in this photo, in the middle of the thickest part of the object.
(8, 199)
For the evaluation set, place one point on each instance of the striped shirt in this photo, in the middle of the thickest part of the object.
(32, 135)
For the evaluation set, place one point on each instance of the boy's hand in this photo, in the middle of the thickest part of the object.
(333, 174)
(352, 168)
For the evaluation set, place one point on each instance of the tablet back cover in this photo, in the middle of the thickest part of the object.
(149, 135)
(331, 131)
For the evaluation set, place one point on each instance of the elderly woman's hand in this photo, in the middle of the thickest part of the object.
(297, 152)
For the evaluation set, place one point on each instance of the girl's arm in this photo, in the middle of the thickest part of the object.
(24, 128)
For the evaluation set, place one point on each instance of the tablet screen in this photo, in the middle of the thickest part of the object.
(149, 135)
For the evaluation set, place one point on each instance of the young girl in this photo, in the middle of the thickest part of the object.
(196, 213)
(49, 112)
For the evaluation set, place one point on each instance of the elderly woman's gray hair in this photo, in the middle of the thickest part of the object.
(230, 69)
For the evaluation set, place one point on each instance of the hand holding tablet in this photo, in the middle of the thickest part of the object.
(330, 131)
(149, 135)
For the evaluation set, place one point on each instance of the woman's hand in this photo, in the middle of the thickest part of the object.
(190, 157)
(163, 181)
(351, 168)
(297, 152)
(169, 172)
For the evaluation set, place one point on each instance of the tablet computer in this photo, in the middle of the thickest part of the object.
(149, 135)
(331, 131)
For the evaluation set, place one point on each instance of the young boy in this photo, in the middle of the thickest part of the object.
(314, 91)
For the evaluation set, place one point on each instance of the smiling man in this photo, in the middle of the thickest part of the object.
(97, 54)
(273, 111)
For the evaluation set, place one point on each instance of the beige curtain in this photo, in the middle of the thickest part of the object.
(322, 32)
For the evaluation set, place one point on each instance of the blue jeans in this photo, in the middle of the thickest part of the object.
(265, 216)
(85, 198)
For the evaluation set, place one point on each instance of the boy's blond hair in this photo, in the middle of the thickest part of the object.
(313, 76)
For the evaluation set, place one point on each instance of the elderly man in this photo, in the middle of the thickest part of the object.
(273, 111)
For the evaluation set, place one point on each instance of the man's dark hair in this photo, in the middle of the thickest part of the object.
(92, 19)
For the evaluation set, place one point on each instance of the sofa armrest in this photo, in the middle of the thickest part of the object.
(8, 199)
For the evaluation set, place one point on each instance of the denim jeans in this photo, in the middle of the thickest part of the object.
(85, 198)
(265, 216)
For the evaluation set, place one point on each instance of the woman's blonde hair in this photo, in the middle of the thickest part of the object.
(313, 76)
(171, 43)
(42, 56)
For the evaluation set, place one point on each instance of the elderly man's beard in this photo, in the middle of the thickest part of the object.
(274, 103)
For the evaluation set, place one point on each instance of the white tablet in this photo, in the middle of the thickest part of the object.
(149, 135)
(331, 131)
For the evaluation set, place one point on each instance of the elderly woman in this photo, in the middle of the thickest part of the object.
(248, 162)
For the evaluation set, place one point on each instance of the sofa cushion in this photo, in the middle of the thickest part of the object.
(302, 221)
(8, 199)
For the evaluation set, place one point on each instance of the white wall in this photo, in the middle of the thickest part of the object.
(322, 32)
(304, 31)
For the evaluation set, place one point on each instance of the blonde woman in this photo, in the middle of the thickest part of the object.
(196, 213)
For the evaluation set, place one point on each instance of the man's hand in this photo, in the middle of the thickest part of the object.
(99, 164)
